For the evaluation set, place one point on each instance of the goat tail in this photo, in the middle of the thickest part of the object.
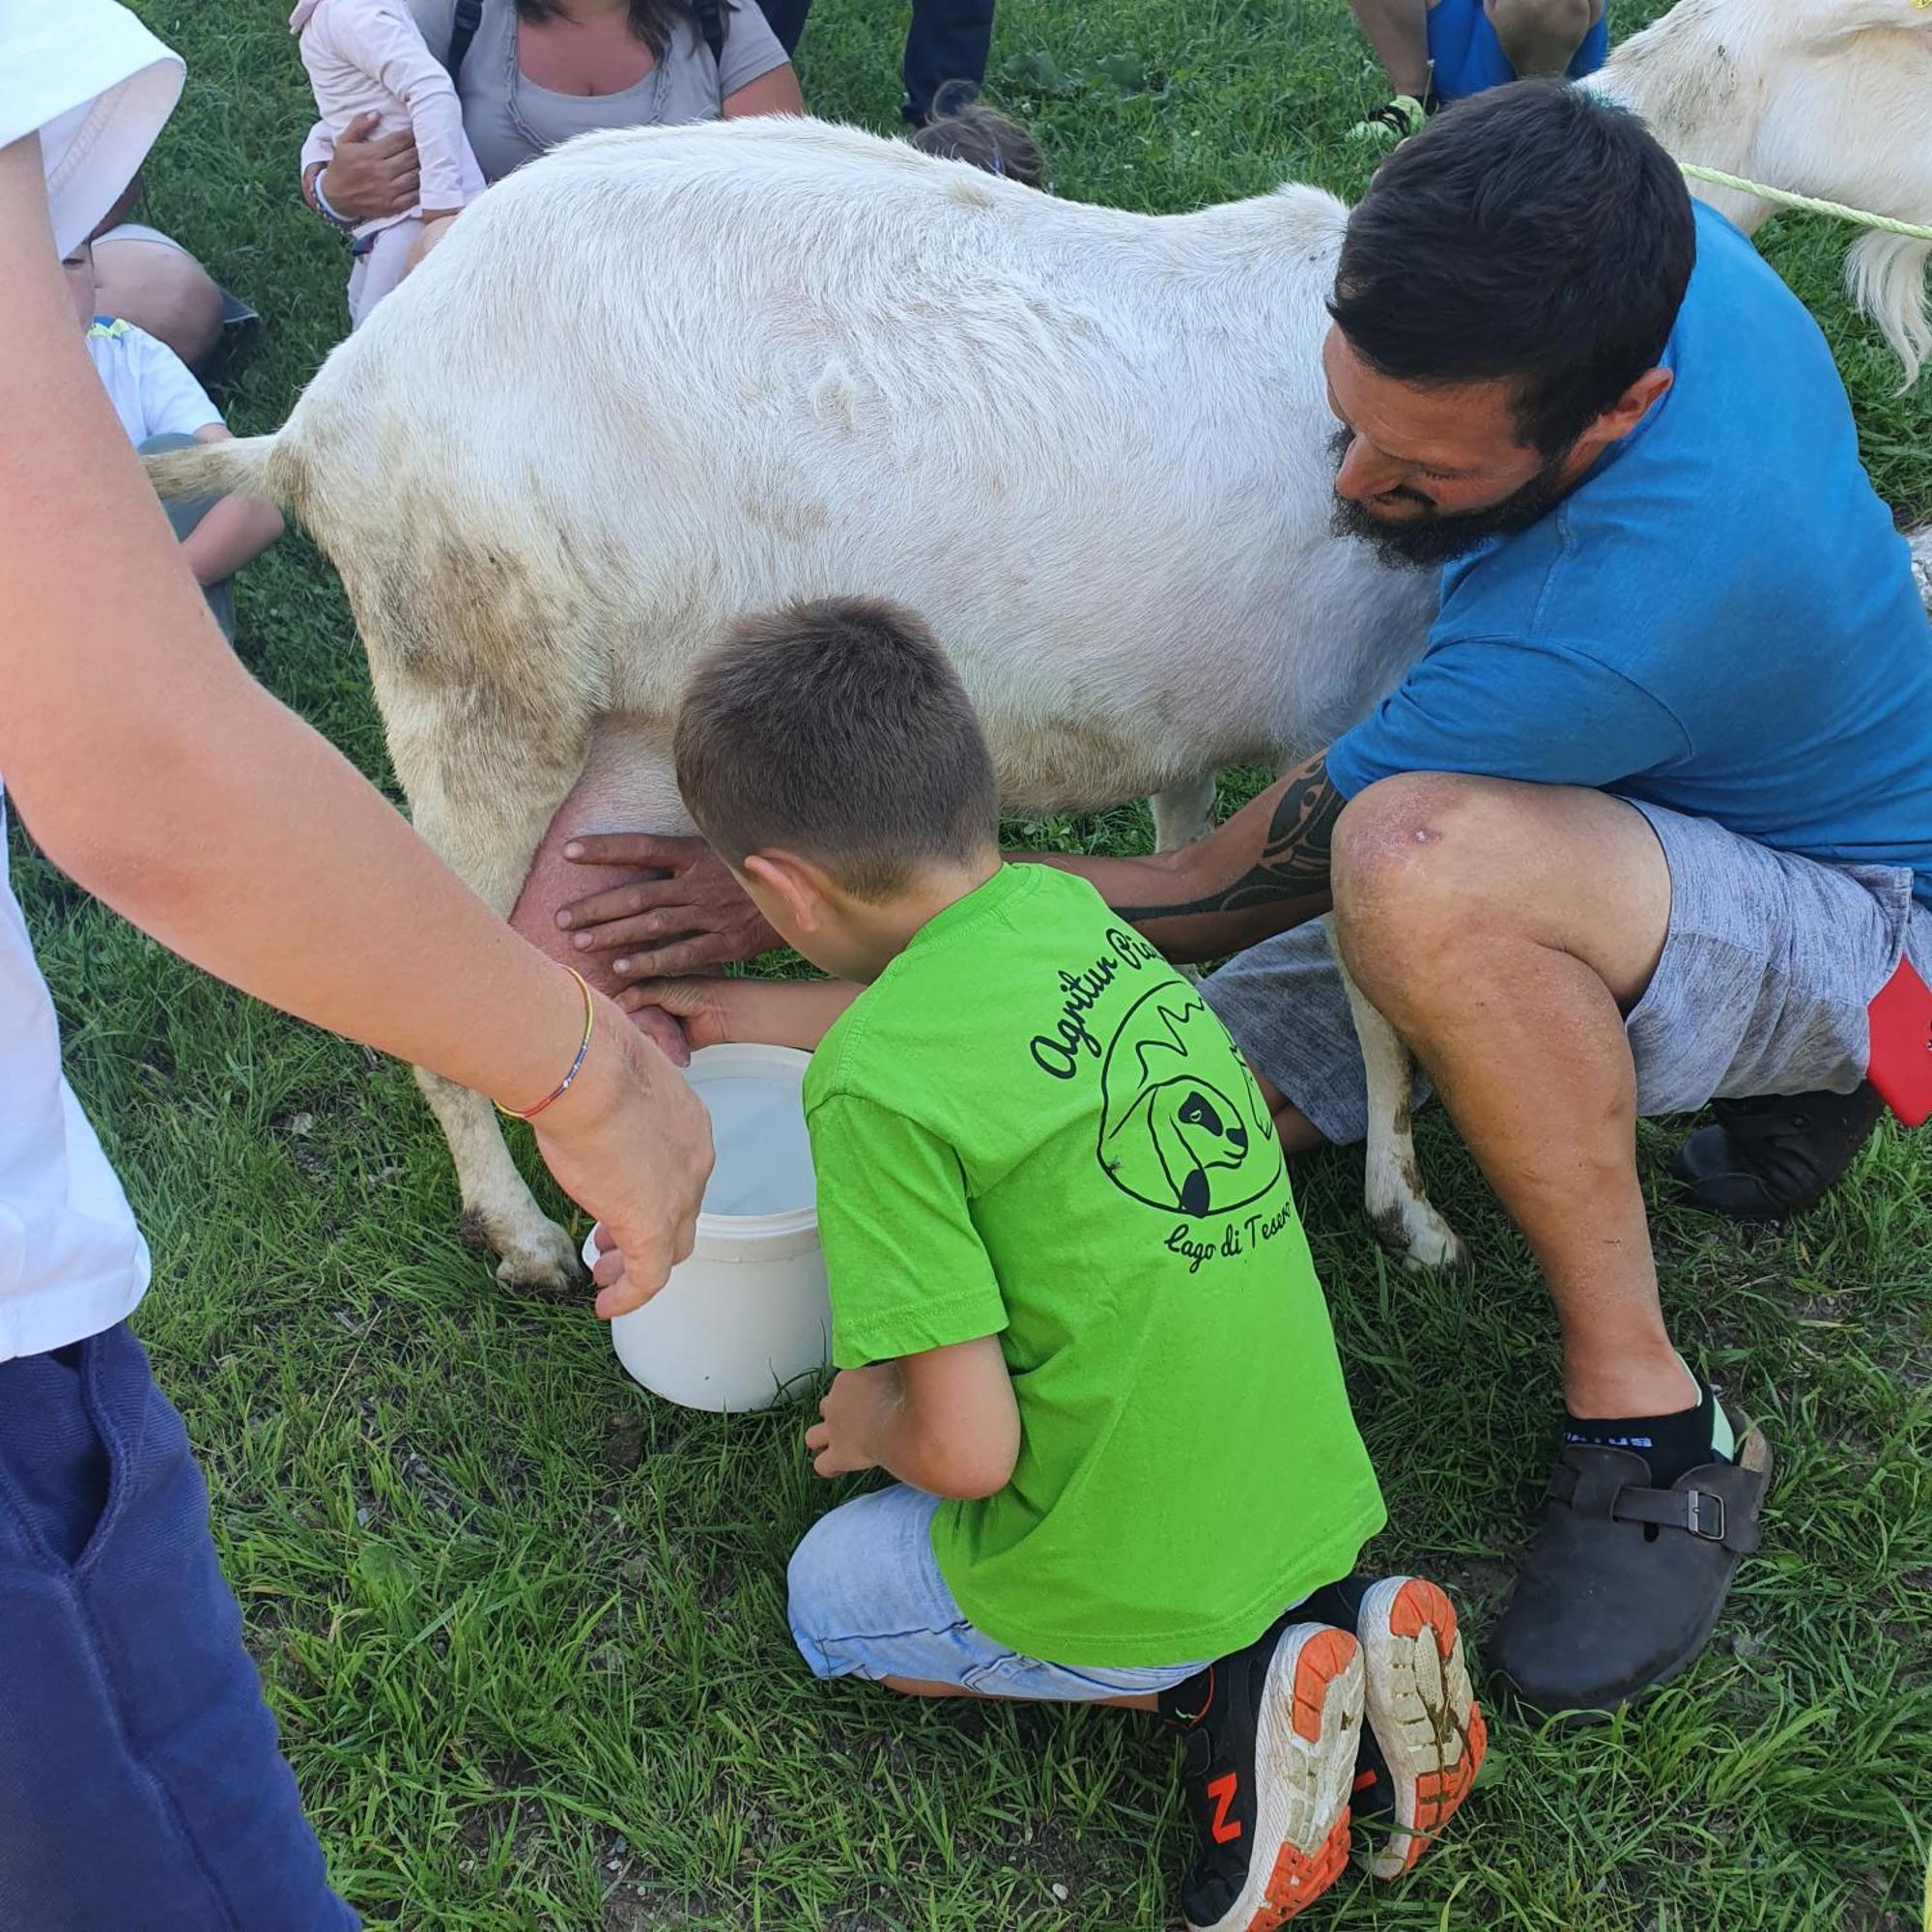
(217, 469)
(1886, 275)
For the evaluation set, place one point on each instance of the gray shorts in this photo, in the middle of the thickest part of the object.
(1771, 963)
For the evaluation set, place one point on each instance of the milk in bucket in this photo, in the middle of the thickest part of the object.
(745, 1319)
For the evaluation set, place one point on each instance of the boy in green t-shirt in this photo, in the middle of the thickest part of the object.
(1073, 1309)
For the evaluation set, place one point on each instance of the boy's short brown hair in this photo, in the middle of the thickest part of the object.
(836, 729)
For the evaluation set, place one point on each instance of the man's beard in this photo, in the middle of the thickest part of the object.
(1433, 537)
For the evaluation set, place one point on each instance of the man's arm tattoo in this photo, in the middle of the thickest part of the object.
(1295, 858)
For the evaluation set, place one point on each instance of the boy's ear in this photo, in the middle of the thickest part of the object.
(800, 885)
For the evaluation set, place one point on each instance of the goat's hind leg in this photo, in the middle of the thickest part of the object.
(1183, 812)
(1398, 1206)
(499, 1212)
(482, 802)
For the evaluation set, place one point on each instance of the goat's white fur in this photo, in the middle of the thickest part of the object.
(1400, 1211)
(1826, 98)
(1090, 445)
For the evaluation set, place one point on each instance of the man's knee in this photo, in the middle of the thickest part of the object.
(1541, 36)
(1420, 861)
(163, 291)
(1411, 847)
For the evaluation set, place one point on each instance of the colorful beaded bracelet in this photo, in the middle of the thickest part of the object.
(575, 1066)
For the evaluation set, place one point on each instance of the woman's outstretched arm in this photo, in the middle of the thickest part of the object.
(153, 770)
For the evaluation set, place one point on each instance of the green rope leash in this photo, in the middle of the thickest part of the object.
(1781, 197)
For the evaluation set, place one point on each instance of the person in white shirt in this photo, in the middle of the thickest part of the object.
(143, 1782)
(162, 407)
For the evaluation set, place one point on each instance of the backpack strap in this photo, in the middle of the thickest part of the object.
(462, 29)
(711, 24)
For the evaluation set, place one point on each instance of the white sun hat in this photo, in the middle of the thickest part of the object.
(96, 86)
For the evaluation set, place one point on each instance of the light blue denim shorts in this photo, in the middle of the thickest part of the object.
(867, 1601)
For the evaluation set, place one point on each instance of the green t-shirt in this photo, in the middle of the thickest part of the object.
(1030, 1126)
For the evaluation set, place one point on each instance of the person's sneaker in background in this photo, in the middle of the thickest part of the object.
(1269, 1737)
(1392, 121)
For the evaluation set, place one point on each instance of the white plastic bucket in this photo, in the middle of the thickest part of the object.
(746, 1318)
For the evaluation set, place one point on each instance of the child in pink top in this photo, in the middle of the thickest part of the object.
(368, 56)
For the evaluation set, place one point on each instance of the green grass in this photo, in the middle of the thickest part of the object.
(524, 1626)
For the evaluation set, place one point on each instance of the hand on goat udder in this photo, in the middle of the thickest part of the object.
(681, 1015)
(670, 895)
(692, 917)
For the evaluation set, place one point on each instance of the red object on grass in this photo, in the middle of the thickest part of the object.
(1900, 1064)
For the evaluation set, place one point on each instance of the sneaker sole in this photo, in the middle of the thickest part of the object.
(1305, 1741)
(1423, 1711)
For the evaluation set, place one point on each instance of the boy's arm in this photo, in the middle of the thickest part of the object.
(775, 1012)
(236, 531)
(914, 1297)
(944, 1421)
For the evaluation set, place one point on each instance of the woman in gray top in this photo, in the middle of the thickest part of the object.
(538, 71)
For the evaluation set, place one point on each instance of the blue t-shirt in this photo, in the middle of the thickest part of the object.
(1720, 619)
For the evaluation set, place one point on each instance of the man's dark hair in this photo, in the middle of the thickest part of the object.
(1535, 233)
(837, 730)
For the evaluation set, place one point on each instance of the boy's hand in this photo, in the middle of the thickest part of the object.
(695, 916)
(856, 1409)
(694, 1011)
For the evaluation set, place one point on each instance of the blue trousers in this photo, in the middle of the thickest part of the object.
(949, 39)
(142, 1788)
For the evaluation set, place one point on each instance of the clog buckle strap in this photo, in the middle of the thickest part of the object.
(1700, 1512)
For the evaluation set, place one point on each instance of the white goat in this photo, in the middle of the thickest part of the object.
(1089, 447)
(1826, 97)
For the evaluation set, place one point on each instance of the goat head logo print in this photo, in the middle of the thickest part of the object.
(1182, 1126)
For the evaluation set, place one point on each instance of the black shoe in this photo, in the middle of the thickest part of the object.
(1270, 1756)
(1764, 1159)
(1423, 1734)
(1621, 1588)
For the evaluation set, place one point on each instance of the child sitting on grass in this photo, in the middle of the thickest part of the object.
(162, 407)
(1074, 1312)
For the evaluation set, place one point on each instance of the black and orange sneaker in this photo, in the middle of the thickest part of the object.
(1423, 1738)
(1269, 1736)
